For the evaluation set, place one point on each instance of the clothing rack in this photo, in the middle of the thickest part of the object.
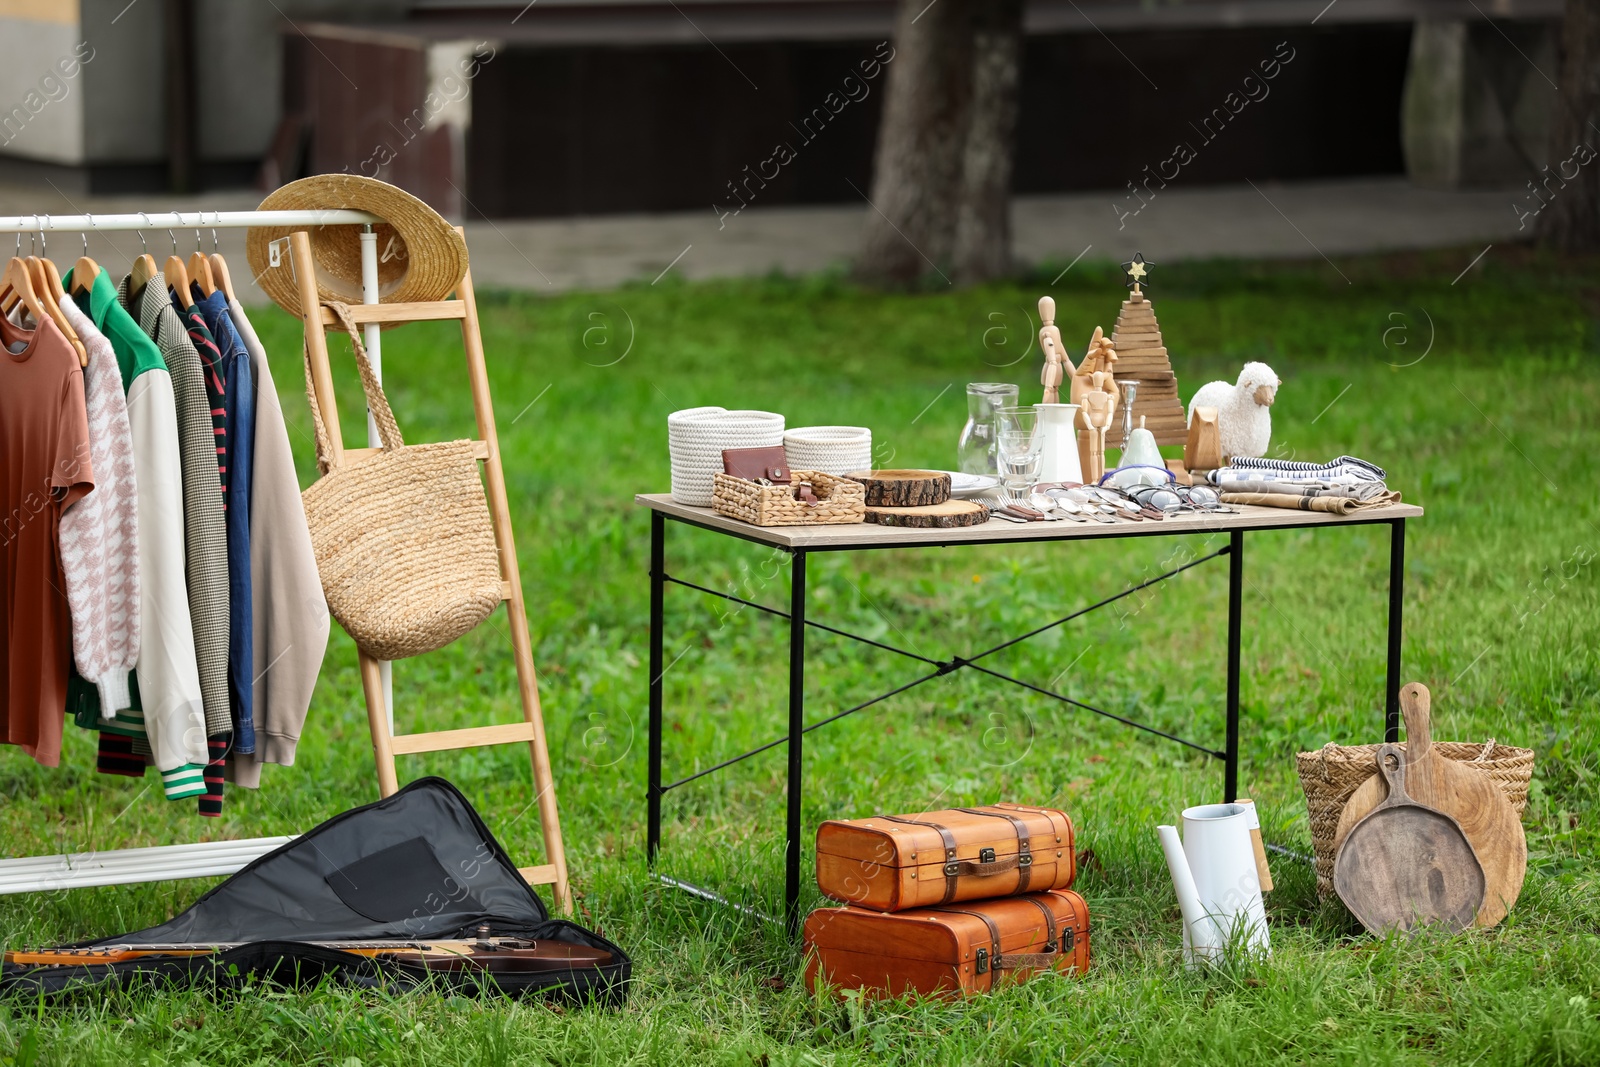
(34, 874)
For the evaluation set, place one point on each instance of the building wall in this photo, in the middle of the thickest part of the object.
(42, 79)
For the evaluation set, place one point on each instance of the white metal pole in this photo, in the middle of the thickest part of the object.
(374, 341)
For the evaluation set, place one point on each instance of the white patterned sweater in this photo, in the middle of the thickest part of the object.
(99, 534)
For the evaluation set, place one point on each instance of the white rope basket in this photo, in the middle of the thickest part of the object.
(830, 449)
(696, 438)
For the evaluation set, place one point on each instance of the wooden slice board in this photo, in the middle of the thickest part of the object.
(1406, 866)
(945, 516)
(1484, 814)
(903, 488)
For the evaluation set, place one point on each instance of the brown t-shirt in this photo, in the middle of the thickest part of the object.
(44, 469)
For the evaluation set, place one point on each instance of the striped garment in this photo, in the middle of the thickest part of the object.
(1288, 470)
(205, 346)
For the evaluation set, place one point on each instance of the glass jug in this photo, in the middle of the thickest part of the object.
(975, 452)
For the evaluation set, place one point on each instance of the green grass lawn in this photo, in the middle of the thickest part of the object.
(1479, 396)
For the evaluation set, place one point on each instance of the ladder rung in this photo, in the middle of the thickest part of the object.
(472, 737)
(505, 590)
(428, 311)
(357, 456)
(545, 875)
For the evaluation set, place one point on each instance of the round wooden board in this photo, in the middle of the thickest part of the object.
(1476, 803)
(945, 516)
(903, 488)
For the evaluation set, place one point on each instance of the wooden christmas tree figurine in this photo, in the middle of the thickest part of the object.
(1057, 367)
(1143, 357)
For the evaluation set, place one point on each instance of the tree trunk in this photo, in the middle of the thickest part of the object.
(1570, 220)
(983, 209)
(917, 169)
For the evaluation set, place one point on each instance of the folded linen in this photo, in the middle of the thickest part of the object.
(1259, 484)
(1333, 505)
(1295, 471)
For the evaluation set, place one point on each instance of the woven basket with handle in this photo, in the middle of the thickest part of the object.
(403, 539)
(1331, 775)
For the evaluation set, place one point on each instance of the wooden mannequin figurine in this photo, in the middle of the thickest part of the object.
(1101, 357)
(1100, 407)
(1057, 367)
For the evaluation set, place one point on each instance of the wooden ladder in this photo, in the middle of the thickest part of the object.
(386, 744)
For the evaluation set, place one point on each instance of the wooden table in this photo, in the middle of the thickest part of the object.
(801, 541)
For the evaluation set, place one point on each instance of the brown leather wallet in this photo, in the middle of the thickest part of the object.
(767, 464)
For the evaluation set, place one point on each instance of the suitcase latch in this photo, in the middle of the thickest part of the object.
(1069, 938)
(983, 961)
(986, 855)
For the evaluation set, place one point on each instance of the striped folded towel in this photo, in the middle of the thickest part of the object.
(1257, 482)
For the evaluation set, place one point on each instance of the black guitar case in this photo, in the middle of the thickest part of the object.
(417, 865)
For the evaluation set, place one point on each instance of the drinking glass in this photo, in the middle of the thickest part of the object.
(1019, 453)
(1016, 419)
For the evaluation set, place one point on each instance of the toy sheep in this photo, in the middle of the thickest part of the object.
(1243, 420)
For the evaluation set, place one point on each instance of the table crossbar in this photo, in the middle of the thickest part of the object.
(949, 666)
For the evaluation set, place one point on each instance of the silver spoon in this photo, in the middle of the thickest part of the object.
(1087, 504)
(1051, 505)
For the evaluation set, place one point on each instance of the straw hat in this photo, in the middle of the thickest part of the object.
(420, 256)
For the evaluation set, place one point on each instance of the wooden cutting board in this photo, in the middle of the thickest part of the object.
(1405, 866)
(950, 514)
(1484, 814)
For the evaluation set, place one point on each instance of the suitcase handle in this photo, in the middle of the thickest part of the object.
(983, 870)
(1016, 961)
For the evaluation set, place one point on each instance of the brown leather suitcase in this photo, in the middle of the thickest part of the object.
(960, 949)
(895, 862)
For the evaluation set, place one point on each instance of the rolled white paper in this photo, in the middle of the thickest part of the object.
(1199, 934)
(1222, 861)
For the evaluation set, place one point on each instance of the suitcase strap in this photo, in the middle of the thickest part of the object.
(952, 868)
(989, 961)
(1022, 861)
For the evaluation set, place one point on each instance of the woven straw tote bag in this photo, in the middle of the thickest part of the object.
(403, 541)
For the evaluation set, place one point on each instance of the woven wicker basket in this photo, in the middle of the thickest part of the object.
(696, 438)
(1331, 776)
(830, 449)
(838, 500)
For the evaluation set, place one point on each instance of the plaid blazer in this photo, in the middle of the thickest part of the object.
(205, 528)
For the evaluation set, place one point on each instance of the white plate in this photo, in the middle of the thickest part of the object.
(965, 485)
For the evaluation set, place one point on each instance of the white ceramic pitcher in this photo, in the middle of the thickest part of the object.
(1214, 875)
(1058, 426)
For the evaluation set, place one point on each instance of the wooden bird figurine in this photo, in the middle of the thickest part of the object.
(1057, 367)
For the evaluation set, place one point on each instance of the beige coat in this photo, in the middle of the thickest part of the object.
(289, 613)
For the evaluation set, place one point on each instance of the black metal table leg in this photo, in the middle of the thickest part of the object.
(797, 726)
(1230, 774)
(1397, 595)
(658, 545)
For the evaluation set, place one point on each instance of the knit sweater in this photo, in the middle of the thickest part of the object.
(99, 535)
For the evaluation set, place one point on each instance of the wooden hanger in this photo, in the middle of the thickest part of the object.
(18, 281)
(47, 286)
(84, 272)
(219, 270)
(178, 280)
(200, 272)
(144, 268)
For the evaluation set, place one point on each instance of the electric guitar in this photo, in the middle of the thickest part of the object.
(494, 955)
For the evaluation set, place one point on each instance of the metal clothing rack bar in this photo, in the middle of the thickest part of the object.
(34, 874)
